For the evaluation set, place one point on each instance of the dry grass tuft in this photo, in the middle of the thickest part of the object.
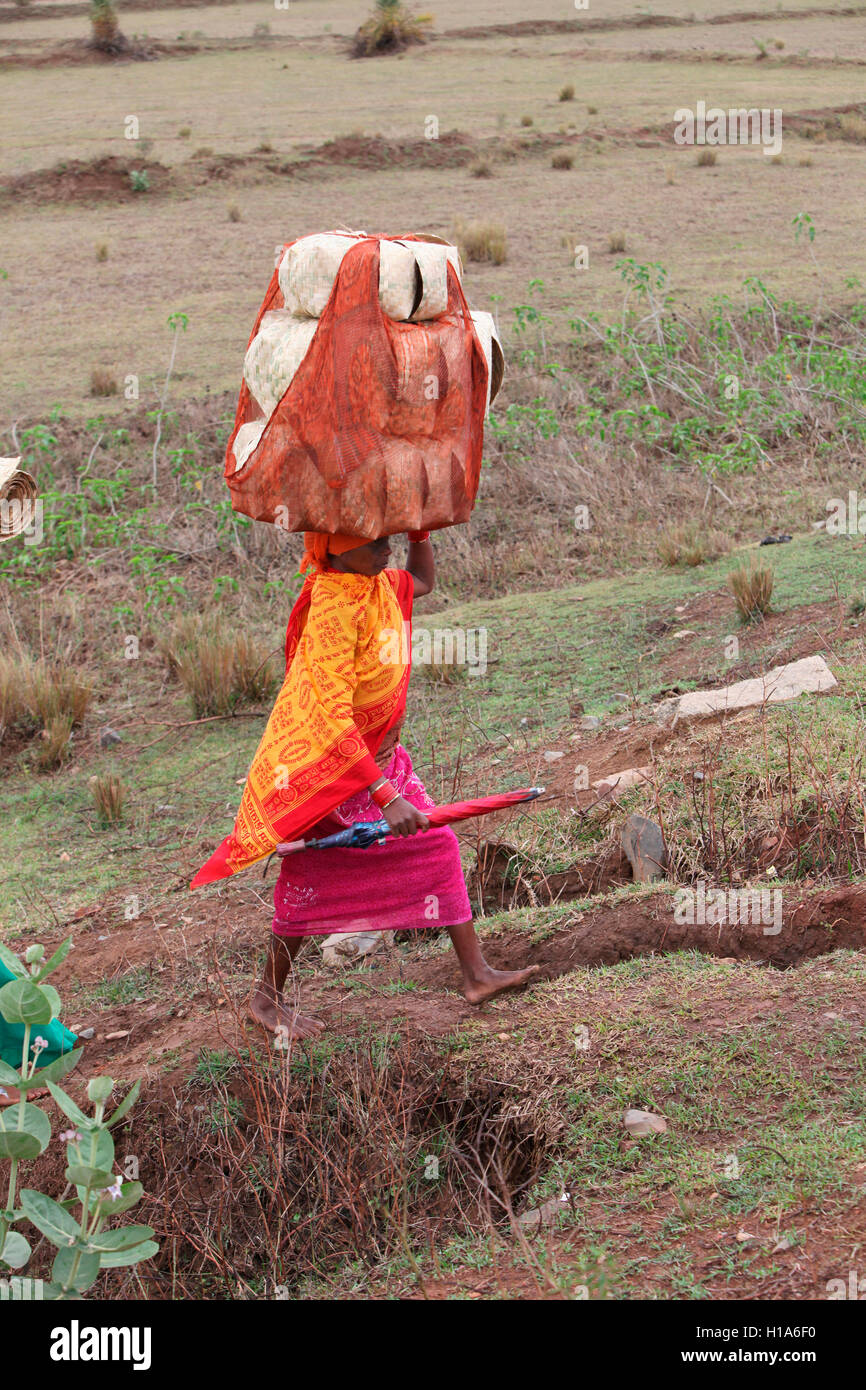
(691, 544)
(706, 158)
(482, 241)
(54, 746)
(220, 671)
(108, 794)
(561, 160)
(481, 169)
(616, 242)
(103, 382)
(752, 587)
(566, 93)
(35, 694)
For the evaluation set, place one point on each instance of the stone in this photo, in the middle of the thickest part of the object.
(641, 1123)
(108, 737)
(590, 721)
(552, 756)
(810, 675)
(645, 848)
(545, 1215)
(621, 781)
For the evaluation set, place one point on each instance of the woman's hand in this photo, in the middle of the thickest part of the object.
(403, 818)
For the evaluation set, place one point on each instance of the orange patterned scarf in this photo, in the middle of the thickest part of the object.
(347, 673)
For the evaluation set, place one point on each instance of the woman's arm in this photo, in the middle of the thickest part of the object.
(421, 563)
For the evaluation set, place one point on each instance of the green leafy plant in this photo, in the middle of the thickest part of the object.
(78, 1228)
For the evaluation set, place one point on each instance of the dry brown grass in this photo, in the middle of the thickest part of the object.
(481, 169)
(752, 588)
(35, 694)
(566, 93)
(102, 251)
(691, 544)
(706, 158)
(53, 747)
(103, 382)
(616, 243)
(561, 160)
(109, 795)
(220, 671)
(482, 241)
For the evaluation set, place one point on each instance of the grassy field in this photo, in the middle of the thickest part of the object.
(616, 404)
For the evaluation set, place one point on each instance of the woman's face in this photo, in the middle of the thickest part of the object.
(371, 558)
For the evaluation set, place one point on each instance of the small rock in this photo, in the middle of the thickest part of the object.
(545, 1215)
(165, 810)
(641, 1123)
(115, 1037)
(84, 1033)
(63, 857)
(552, 756)
(590, 721)
(108, 737)
(645, 848)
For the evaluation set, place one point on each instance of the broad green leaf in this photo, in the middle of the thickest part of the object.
(9, 1076)
(124, 1238)
(54, 1070)
(77, 1268)
(52, 963)
(25, 1131)
(131, 1192)
(114, 1259)
(126, 1104)
(70, 1109)
(49, 1217)
(84, 1176)
(53, 997)
(16, 1250)
(11, 961)
(53, 1293)
(23, 1002)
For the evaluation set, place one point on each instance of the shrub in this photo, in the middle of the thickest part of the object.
(139, 181)
(481, 169)
(185, 132)
(752, 587)
(102, 250)
(561, 160)
(104, 30)
(235, 213)
(482, 241)
(526, 120)
(566, 93)
(390, 28)
(706, 158)
(616, 243)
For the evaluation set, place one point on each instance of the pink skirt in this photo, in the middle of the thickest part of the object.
(408, 882)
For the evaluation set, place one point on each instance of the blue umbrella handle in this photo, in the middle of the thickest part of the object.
(358, 836)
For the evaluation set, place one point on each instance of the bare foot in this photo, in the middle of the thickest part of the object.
(494, 982)
(273, 1013)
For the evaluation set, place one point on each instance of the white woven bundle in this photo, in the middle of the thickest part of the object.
(413, 287)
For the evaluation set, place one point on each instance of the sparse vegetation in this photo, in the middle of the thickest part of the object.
(103, 382)
(562, 160)
(706, 158)
(566, 93)
(109, 795)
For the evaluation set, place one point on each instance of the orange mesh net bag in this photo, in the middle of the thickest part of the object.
(379, 429)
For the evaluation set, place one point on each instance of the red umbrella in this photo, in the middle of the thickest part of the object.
(364, 833)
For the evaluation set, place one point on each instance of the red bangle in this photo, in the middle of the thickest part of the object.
(383, 795)
(416, 537)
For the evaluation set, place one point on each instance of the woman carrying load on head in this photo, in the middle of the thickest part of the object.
(331, 756)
